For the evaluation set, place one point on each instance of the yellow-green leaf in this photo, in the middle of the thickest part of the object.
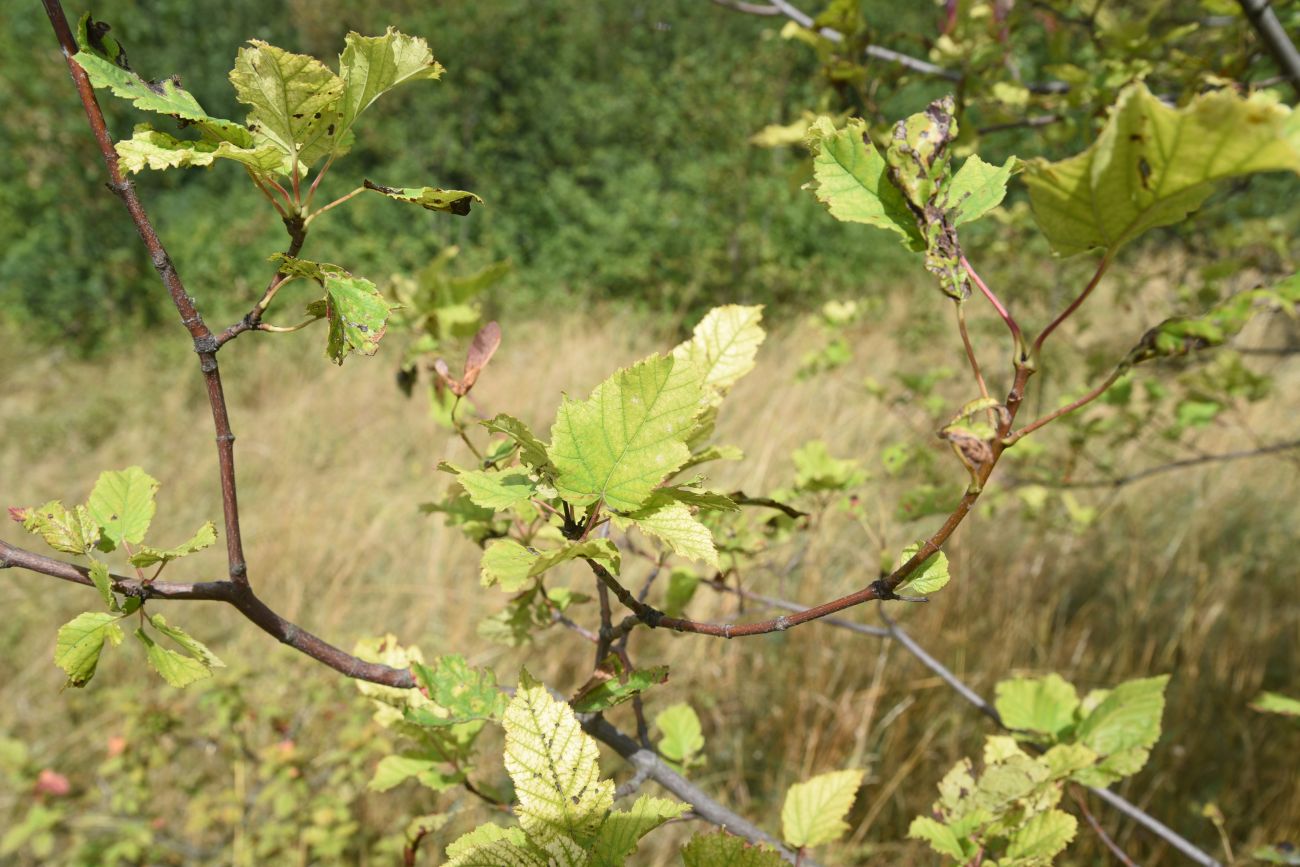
(73, 531)
(202, 538)
(430, 198)
(814, 811)
(372, 65)
(177, 669)
(1153, 164)
(294, 100)
(723, 346)
(123, 504)
(81, 640)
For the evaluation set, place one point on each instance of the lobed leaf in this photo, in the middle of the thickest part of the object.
(720, 848)
(1154, 164)
(498, 489)
(294, 100)
(723, 346)
(372, 65)
(672, 522)
(682, 737)
(192, 645)
(612, 685)
(1045, 704)
(72, 531)
(630, 435)
(204, 537)
(149, 148)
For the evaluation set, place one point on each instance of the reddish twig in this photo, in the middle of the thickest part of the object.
(1074, 305)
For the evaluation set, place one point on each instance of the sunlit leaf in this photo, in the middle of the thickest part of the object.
(930, 577)
(202, 538)
(81, 640)
(623, 829)
(177, 669)
(123, 504)
(682, 736)
(372, 65)
(430, 198)
(625, 439)
(852, 179)
(1042, 837)
(1273, 702)
(510, 564)
(814, 811)
(149, 148)
(465, 693)
(1128, 717)
(293, 97)
(498, 489)
(723, 346)
(73, 531)
(612, 685)
(672, 522)
(532, 451)
(720, 848)
(1038, 704)
(192, 645)
(1153, 164)
(978, 188)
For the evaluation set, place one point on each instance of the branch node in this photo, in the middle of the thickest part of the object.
(782, 623)
(119, 188)
(239, 569)
(206, 345)
(726, 631)
(883, 591)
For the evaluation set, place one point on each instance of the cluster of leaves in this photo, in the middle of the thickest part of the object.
(1008, 814)
(301, 115)
(117, 517)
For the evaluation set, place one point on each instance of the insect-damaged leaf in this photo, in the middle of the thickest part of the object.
(430, 198)
(357, 313)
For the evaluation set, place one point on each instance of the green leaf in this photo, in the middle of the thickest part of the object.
(1282, 853)
(672, 522)
(492, 846)
(930, 577)
(713, 501)
(618, 687)
(396, 769)
(465, 693)
(1042, 837)
(498, 489)
(852, 179)
(713, 453)
(149, 148)
(816, 470)
(177, 669)
(123, 504)
(1273, 702)
(357, 313)
(554, 766)
(1154, 164)
(81, 640)
(1035, 704)
(430, 198)
(622, 830)
(720, 849)
(1128, 717)
(294, 100)
(202, 538)
(941, 837)
(72, 531)
(814, 811)
(978, 188)
(108, 69)
(682, 584)
(723, 346)
(373, 65)
(682, 737)
(510, 564)
(192, 645)
(532, 451)
(629, 436)
(103, 583)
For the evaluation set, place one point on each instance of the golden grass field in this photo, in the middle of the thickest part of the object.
(1192, 573)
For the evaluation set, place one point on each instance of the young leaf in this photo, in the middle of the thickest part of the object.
(814, 811)
(294, 100)
(123, 504)
(626, 438)
(941, 837)
(702, 499)
(465, 693)
(396, 769)
(430, 198)
(622, 830)
(202, 538)
(1154, 164)
(720, 848)
(498, 489)
(1272, 702)
(103, 583)
(149, 148)
(192, 645)
(554, 766)
(682, 737)
(357, 313)
(1128, 717)
(852, 179)
(1037, 704)
(372, 65)
(177, 669)
(492, 846)
(930, 577)
(532, 451)
(481, 349)
(72, 531)
(682, 584)
(1042, 837)
(510, 564)
(723, 346)
(81, 640)
(672, 522)
(978, 188)
(612, 686)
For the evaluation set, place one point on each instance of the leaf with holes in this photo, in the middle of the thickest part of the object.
(293, 99)
(430, 198)
(123, 504)
(72, 531)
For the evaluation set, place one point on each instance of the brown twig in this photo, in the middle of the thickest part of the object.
(1105, 838)
(1138, 476)
(1074, 305)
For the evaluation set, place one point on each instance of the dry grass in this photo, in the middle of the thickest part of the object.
(1192, 573)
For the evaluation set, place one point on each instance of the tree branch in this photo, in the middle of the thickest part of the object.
(205, 344)
(1138, 476)
(1262, 17)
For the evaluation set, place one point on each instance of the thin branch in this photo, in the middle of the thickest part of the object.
(1074, 305)
(1262, 17)
(1105, 838)
(205, 344)
(749, 8)
(334, 204)
(1121, 481)
(1074, 404)
(997, 305)
(970, 350)
(297, 230)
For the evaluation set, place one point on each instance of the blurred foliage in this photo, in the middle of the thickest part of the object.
(608, 140)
